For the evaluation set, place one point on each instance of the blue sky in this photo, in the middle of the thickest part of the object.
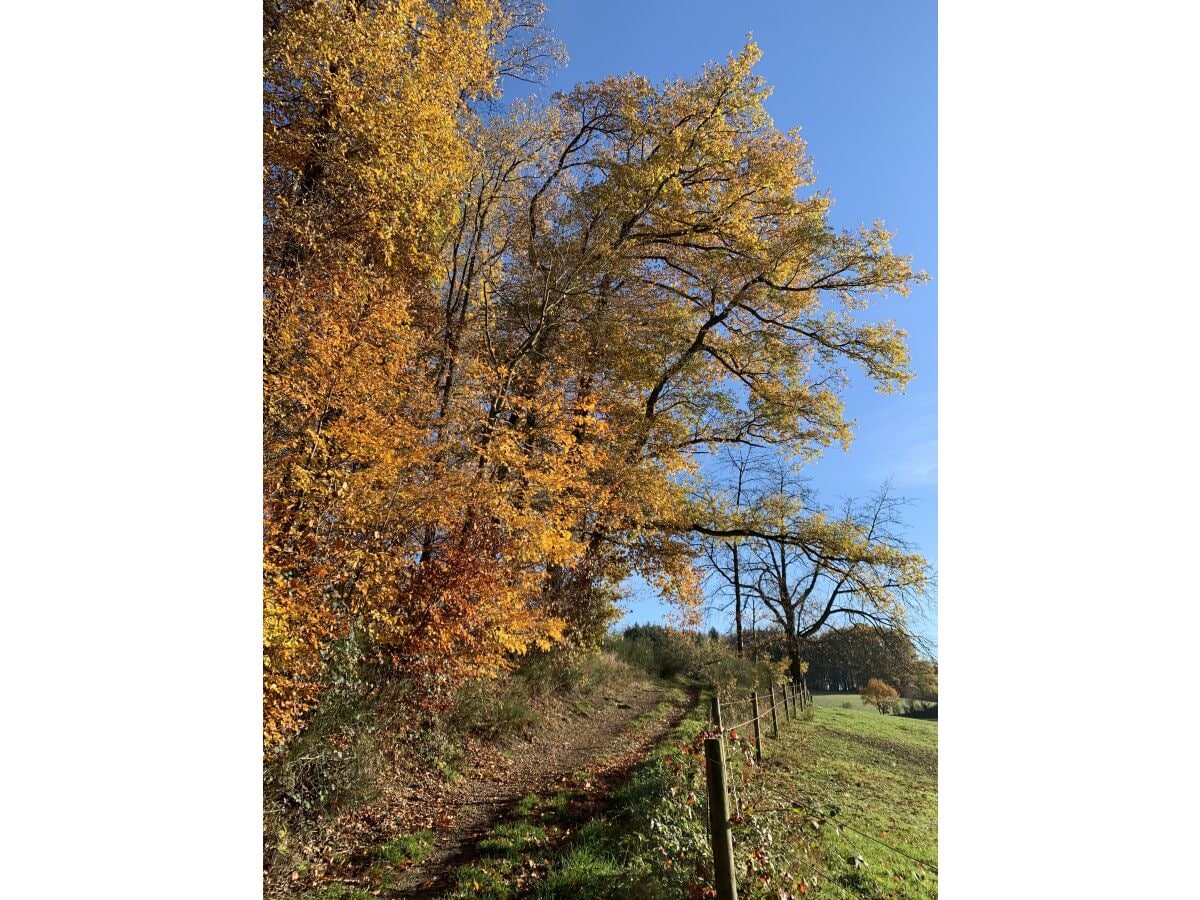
(860, 78)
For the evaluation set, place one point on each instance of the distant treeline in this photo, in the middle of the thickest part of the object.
(843, 659)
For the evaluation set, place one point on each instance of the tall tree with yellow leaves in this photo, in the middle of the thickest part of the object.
(364, 160)
(637, 264)
(494, 346)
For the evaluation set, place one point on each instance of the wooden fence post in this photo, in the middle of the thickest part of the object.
(757, 727)
(795, 708)
(774, 718)
(716, 711)
(718, 819)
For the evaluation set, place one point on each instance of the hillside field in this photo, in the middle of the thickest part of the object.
(840, 701)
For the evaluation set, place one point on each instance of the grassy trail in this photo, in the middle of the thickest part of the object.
(844, 805)
(560, 775)
(835, 788)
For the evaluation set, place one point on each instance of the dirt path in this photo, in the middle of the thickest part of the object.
(588, 752)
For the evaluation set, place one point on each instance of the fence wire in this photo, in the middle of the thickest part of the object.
(870, 837)
(742, 786)
(812, 866)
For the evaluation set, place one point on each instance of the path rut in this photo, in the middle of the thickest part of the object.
(589, 752)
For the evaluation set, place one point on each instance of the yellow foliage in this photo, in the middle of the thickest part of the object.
(493, 350)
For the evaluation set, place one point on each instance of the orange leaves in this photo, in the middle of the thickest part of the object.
(461, 614)
(493, 349)
(879, 694)
(361, 125)
(363, 163)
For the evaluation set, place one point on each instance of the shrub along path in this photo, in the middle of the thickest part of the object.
(579, 752)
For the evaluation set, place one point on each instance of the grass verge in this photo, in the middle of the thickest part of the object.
(845, 804)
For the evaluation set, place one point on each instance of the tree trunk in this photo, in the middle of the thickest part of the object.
(737, 602)
(794, 660)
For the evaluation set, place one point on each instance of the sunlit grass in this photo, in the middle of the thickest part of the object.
(864, 779)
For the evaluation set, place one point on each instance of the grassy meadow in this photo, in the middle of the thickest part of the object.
(854, 702)
(866, 780)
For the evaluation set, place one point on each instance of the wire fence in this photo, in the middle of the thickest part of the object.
(729, 786)
(897, 850)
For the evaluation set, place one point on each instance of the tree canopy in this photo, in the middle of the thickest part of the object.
(497, 342)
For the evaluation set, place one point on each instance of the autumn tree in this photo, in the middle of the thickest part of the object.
(365, 107)
(813, 568)
(635, 279)
(495, 345)
(879, 694)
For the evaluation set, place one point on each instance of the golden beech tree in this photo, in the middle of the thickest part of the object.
(364, 159)
(495, 345)
(640, 260)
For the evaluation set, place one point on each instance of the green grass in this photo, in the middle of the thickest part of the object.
(512, 853)
(490, 878)
(849, 701)
(390, 859)
(852, 775)
(408, 848)
(588, 868)
(833, 771)
(545, 854)
(838, 701)
(512, 839)
(829, 776)
(337, 892)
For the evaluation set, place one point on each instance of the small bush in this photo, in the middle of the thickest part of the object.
(492, 710)
(919, 709)
(335, 762)
(879, 694)
(669, 653)
(660, 651)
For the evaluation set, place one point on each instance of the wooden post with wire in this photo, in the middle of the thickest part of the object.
(757, 727)
(716, 712)
(774, 717)
(718, 818)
